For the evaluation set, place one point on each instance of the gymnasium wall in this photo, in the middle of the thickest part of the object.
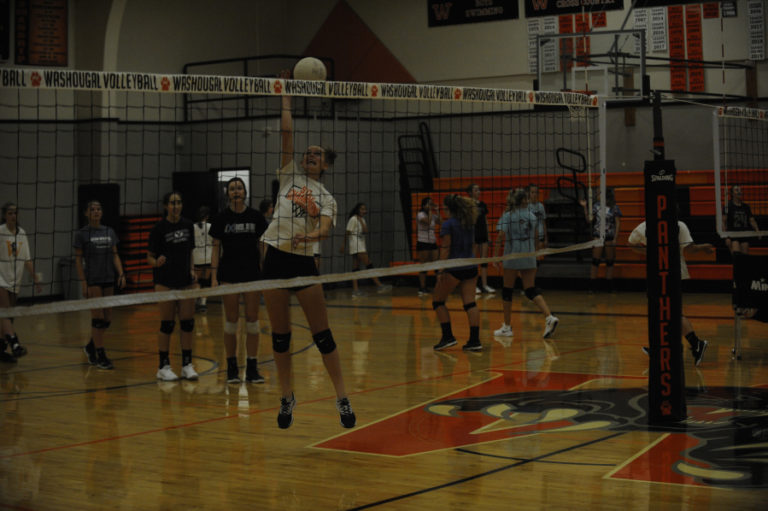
(490, 54)
(146, 35)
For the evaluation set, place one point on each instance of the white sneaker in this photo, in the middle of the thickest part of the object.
(549, 326)
(478, 291)
(188, 372)
(358, 294)
(384, 288)
(165, 373)
(488, 289)
(504, 331)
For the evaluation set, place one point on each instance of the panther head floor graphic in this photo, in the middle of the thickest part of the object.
(724, 441)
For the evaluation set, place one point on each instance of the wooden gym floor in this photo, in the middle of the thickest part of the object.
(526, 424)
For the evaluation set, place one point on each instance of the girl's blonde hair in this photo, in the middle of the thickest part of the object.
(462, 209)
(516, 197)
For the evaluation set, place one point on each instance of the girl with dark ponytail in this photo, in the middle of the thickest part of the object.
(457, 236)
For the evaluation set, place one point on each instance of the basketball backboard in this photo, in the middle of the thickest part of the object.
(610, 63)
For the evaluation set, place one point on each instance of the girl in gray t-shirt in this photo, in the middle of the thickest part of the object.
(97, 265)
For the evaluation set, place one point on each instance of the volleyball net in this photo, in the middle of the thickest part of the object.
(740, 137)
(126, 139)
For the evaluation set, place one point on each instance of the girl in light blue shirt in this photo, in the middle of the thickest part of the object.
(518, 231)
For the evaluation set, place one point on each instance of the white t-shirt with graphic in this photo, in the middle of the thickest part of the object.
(426, 234)
(201, 254)
(14, 252)
(300, 203)
(356, 235)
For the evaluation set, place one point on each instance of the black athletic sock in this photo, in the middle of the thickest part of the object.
(186, 357)
(692, 339)
(474, 333)
(231, 361)
(447, 332)
(165, 360)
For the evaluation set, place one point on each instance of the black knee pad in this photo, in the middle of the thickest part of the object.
(469, 305)
(435, 305)
(532, 292)
(609, 262)
(187, 325)
(324, 342)
(484, 265)
(507, 293)
(595, 261)
(370, 265)
(281, 343)
(204, 282)
(167, 326)
(100, 324)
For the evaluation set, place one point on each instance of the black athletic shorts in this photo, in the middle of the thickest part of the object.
(748, 239)
(285, 265)
(463, 273)
(102, 285)
(421, 245)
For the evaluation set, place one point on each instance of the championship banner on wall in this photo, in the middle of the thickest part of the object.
(663, 3)
(459, 12)
(535, 8)
(256, 86)
(694, 47)
(678, 74)
(41, 32)
(666, 380)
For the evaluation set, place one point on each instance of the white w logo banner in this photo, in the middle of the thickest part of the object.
(456, 12)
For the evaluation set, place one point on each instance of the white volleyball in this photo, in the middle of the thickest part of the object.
(309, 68)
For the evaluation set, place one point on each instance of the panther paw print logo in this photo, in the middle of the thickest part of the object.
(36, 79)
(165, 83)
(278, 87)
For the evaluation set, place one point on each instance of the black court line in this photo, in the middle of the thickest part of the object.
(514, 458)
(559, 313)
(483, 474)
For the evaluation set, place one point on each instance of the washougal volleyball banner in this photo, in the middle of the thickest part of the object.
(258, 86)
